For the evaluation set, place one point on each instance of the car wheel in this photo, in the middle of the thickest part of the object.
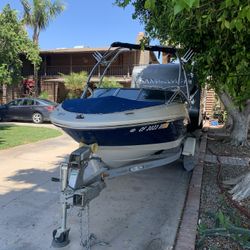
(37, 118)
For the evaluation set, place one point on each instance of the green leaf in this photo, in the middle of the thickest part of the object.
(122, 3)
(239, 25)
(149, 4)
(228, 3)
(236, 2)
(193, 3)
(178, 8)
(248, 14)
(227, 24)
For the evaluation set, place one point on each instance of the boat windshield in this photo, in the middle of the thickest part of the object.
(102, 92)
(155, 95)
(149, 95)
(131, 94)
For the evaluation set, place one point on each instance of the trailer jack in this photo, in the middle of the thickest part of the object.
(73, 191)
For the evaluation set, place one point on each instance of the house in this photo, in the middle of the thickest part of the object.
(68, 60)
(65, 61)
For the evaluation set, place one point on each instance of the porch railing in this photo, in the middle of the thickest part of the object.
(117, 71)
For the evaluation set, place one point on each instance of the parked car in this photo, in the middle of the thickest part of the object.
(27, 109)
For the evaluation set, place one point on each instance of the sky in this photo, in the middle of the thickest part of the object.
(89, 23)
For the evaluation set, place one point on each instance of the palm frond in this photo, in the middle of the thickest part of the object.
(39, 13)
(27, 12)
(56, 8)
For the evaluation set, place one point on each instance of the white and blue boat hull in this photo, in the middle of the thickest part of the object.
(125, 137)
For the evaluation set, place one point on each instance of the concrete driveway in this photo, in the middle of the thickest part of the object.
(135, 212)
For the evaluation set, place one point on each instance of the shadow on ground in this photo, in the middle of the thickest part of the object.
(29, 203)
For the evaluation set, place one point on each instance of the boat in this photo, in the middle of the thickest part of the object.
(125, 130)
(135, 124)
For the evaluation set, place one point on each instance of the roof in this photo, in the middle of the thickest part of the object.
(86, 50)
(71, 50)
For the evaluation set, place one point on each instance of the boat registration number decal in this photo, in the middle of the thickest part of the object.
(154, 127)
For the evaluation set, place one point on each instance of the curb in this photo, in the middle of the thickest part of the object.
(186, 236)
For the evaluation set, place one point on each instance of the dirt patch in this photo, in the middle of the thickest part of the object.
(221, 225)
(221, 146)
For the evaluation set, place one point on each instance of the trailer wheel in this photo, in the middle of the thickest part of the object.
(62, 240)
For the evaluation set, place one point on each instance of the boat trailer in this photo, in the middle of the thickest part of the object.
(83, 178)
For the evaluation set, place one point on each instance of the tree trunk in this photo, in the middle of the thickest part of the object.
(35, 41)
(241, 119)
(239, 130)
(4, 86)
(241, 190)
(35, 35)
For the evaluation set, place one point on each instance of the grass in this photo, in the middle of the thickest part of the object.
(11, 135)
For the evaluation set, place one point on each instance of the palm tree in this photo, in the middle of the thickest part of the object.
(39, 13)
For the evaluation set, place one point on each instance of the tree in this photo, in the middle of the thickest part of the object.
(14, 42)
(39, 13)
(219, 32)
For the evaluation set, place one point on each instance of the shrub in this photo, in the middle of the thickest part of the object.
(109, 82)
(44, 95)
(74, 83)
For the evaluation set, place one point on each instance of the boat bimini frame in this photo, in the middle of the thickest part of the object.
(83, 176)
(111, 54)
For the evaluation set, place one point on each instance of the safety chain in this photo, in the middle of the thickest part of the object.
(84, 239)
(87, 240)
